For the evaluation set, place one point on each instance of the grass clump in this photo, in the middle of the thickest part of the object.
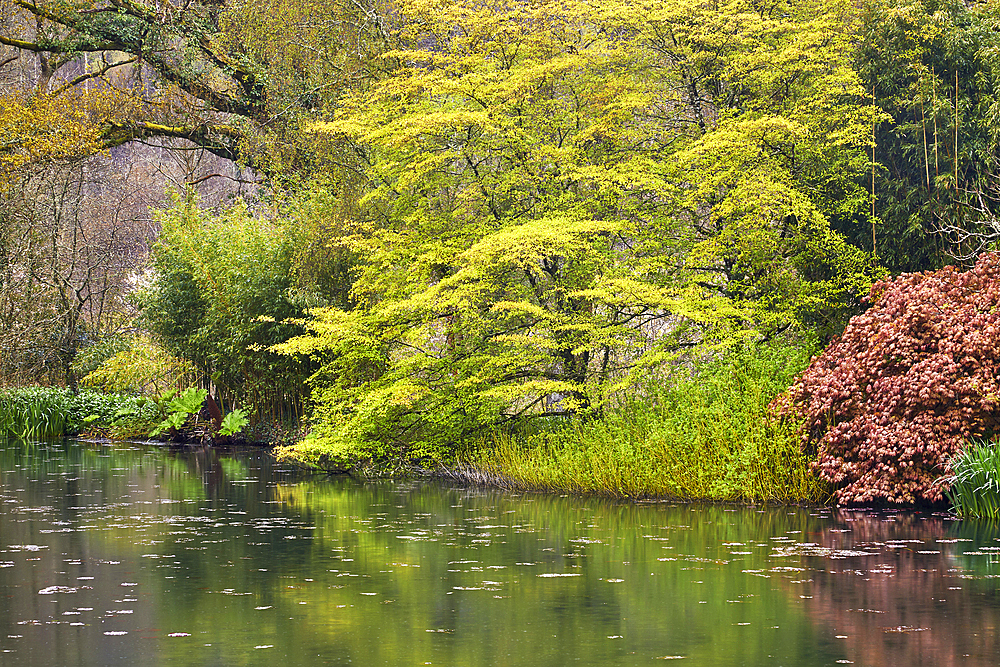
(974, 485)
(33, 412)
(708, 434)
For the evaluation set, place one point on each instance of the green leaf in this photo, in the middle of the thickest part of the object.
(233, 422)
(173, 422)
(189, 401)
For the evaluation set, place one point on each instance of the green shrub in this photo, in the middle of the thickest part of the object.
(108, 411)
(91, 356)
(47, 412)
(141, 367)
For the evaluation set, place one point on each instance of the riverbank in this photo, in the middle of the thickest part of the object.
(37, 412)
(707, 434)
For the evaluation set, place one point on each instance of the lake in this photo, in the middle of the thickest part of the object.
(141, 555)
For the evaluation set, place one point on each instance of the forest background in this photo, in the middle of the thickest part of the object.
(556, 244)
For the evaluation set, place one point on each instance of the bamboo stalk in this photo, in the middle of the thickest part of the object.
(874, 254)
(934, 92)
(923, 127)
(956, 161)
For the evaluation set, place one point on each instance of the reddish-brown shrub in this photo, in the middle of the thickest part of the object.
(890, 402)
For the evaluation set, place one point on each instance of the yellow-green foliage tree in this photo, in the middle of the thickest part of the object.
(45, 127)
(560, 196)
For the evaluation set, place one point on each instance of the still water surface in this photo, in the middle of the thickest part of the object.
(132, 555)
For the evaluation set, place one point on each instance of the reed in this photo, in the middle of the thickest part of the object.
(33, 412)
(974, 485)
(709, 435)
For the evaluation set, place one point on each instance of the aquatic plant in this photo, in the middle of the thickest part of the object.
(974, 485)
(44, 412)
(888, 405)
(177, 407)
(707, 436)
(233, 422)
(34, 412)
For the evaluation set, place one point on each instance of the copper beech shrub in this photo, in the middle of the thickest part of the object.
(888, 404)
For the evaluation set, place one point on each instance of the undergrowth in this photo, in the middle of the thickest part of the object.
(705, 435)
(45, 412)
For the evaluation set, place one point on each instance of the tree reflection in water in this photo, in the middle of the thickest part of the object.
(927, 597)
(122, 554)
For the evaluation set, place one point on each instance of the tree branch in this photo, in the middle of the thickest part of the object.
(24, 46)
(142, 33)
(92, 75)
(211, 138)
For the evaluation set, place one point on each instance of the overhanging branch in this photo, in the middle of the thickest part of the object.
(218, 140)
(144, 34)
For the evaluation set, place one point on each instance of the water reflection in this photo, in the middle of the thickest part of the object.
(126, 554)
(926, 596)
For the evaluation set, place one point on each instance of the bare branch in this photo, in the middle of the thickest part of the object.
(980, 230)
(92, 75)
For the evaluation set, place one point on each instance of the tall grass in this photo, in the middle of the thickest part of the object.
(32, 413)
(705, 435)
(975, 481)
